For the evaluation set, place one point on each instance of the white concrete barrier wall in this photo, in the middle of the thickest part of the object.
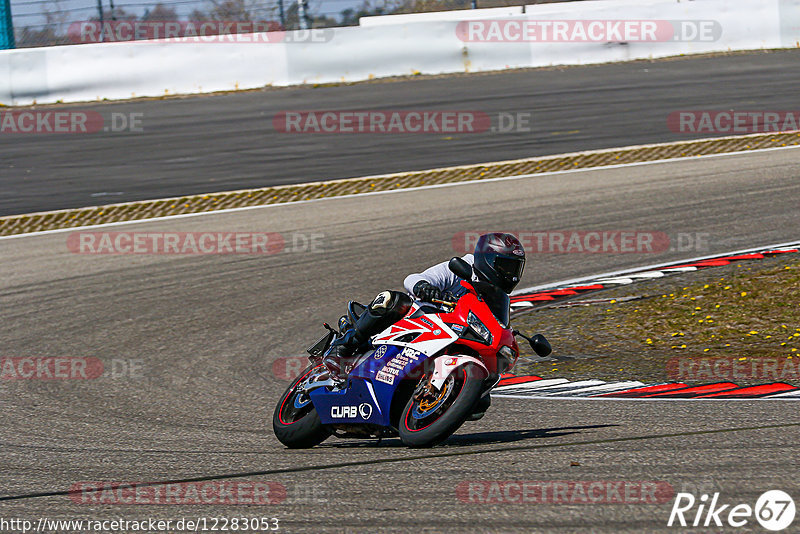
(135, 69)
(457, 14)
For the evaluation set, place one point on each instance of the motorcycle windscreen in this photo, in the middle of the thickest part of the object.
(497, 300)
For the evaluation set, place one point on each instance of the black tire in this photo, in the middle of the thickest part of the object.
(466, 386)
(298, 428)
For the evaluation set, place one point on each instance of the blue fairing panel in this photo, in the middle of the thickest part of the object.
(371, 387)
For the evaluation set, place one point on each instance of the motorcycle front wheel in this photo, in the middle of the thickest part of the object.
(431, 419)
(295, 422)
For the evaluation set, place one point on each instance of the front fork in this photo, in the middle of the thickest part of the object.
(443, 366)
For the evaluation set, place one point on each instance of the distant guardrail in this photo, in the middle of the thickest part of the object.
(548, 34)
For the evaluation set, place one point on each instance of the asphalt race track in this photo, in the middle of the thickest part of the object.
(227, 142)
(203, 332)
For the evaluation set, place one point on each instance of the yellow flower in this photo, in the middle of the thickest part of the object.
(649, 341)
(727, 287)
(706, 350)
(744, 293)
(741, 359)
(754, 332)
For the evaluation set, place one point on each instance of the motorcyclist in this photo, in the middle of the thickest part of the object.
(498, 258)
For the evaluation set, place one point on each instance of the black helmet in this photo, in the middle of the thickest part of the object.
(499, 259)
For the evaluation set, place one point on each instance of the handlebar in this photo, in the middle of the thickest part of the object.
(445, 303)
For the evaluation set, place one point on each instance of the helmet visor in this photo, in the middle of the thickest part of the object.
(509, 268)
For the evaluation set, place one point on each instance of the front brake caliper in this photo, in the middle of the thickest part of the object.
(424, 388)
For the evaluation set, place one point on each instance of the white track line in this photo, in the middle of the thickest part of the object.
(530, 385)
(418, 188)
(787, 394)
(604, 388)
(572, 385)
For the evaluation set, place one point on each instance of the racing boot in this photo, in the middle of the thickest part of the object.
(480, 408)
(387, 308)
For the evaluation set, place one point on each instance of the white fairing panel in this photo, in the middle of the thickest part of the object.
(433, 334)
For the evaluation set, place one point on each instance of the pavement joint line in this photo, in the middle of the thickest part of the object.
(378, 461)
(145, 210)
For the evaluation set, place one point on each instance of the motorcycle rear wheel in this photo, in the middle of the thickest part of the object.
(295, 422)
(428, 422)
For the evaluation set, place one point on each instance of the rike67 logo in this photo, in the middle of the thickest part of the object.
(774, 510)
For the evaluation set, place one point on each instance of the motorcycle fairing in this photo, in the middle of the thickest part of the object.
(373, 381)
(427, 333)
(358, 403)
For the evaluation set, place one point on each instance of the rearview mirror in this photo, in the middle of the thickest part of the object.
(540, 345)
(460, 268)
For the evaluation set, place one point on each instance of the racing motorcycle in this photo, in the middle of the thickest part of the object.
(422, 379)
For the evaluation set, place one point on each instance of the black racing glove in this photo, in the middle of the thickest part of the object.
(426, 291)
